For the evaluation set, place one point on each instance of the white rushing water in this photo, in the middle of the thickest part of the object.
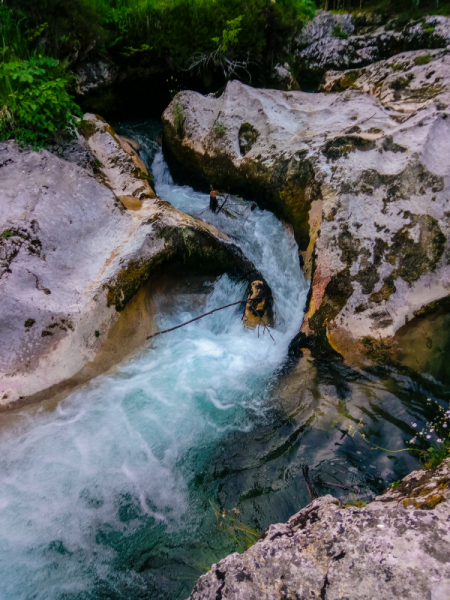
(69, 473)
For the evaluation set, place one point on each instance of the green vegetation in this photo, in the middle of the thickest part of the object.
(338, 32)
(174, 30)
(219, 129)
(178, 118)
(423, 60)
(35, 103)
(229, 525)
(355, 502)
(41, 39)
(433, 441)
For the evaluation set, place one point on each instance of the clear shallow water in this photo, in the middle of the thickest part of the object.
(109, 494)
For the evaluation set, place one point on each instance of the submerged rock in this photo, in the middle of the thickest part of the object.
(76, 246)
(395, 547)
(363, 178)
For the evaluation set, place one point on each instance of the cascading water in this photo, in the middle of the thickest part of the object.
(111, 493)
(110, 461)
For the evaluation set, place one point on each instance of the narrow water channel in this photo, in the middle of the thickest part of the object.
(114, 493)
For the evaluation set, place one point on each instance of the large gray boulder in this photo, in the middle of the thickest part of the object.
(396, 547)
(342, 41)
(76, 247)
(365, 183)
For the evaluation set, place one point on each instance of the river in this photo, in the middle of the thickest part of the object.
(132, 486)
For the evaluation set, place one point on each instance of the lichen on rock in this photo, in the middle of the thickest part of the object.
(395, 547)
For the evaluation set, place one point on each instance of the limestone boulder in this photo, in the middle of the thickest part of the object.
(363, 179)
(341, 42)
(395, 547)
(77, 246)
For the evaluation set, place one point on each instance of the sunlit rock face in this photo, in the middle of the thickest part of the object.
(395, 547)
(363, 176)
(76, 245)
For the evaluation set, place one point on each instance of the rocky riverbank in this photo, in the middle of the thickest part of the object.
(80, 236)
(395, 547)
(363, 178)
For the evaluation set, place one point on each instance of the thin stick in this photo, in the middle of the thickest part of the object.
(205, 315)
(311, 492)
(344, 487)
(224, 202)
(196, 318)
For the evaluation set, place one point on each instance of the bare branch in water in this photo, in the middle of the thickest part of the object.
(205, 315)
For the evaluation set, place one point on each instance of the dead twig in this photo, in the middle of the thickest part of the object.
(223, 204)
(344, 487)
(205, 315)
(309, 487)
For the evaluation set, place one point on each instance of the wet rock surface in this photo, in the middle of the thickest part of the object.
(76, 245)
(395, 547)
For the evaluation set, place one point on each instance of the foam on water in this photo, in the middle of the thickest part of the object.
(108, 462)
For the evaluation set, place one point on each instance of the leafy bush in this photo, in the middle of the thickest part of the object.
(170, 29)
(35, 102)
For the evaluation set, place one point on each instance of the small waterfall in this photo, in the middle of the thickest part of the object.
(89, 485)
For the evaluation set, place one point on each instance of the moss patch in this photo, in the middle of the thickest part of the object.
(87, 128)
(423, 60)
(378, 350)
(247, 138)
(342, 146)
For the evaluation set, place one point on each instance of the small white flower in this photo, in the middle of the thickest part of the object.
(428, 437)
(444, 425)
(431, 430)
(439, 441)
(414, 424)
(412, 441)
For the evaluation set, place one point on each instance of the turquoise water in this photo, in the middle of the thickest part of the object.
(111, 494)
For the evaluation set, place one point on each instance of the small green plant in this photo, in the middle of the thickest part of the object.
(229, 34)
(178, 120)
(7, 233)
(228, 523)
(175, 86)
(427, 27)
(130, 51)
(219, 129)
(395, 484)
(396, 66)
(423, 60)
(36, 102)
(338, 32)
(355, 502)
(435, 434)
